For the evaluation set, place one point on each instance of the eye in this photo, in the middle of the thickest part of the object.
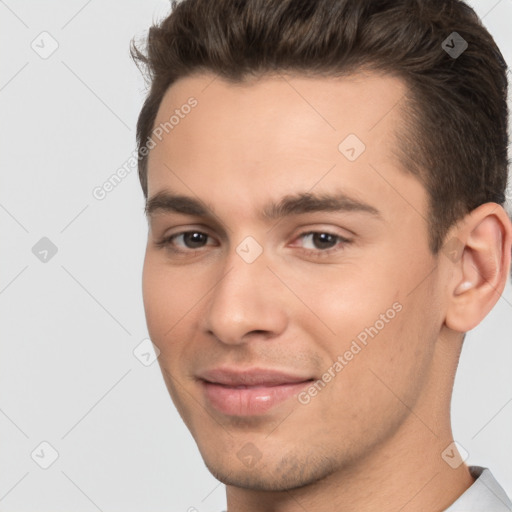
(185, 241)
(319, 240)
(320, 243)
(192, 239)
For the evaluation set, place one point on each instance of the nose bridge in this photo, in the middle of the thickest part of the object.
(241, 300)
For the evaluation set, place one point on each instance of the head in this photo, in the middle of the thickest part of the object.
(324, 185)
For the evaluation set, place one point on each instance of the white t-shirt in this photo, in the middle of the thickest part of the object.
(485, 495)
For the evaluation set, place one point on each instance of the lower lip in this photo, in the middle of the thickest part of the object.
(249, 401)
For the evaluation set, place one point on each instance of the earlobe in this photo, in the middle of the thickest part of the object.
(481, 273)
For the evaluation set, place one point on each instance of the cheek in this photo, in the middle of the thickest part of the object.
(394, 365)
(167, 302)
(173, 300)
(164, 305)
(375, 324)
(343, 302)
(168, 294)
(380, 377)
(156, 296)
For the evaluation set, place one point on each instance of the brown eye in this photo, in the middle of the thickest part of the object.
(186, 241)
(321, 240)
(194, 239)
(324, 240)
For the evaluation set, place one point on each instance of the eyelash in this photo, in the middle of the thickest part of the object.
(167, 243)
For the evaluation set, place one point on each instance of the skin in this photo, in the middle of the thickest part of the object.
(373, 437)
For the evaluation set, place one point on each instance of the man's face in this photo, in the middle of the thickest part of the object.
(273, 302)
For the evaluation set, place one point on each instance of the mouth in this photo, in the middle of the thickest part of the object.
(251, 392)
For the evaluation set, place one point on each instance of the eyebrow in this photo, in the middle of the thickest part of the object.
(292, 204)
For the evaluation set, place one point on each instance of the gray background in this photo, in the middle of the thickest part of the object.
(68, 374)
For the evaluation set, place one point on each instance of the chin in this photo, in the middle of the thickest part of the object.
(275, 475)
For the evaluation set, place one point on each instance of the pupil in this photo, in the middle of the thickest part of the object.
(194, 240)
(323, 240)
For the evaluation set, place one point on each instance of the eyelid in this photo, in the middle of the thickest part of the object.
(322, 231)
(181, 229)
(343, 234)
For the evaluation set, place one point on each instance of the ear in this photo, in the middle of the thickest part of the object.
(479, 249)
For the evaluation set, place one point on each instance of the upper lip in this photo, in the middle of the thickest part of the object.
(250, 377)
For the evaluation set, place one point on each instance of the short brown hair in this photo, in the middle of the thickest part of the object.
(454, 136)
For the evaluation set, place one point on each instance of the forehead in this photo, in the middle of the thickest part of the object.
(366, 104)
(277, 134)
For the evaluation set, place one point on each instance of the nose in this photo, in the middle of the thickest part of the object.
(246, 303)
